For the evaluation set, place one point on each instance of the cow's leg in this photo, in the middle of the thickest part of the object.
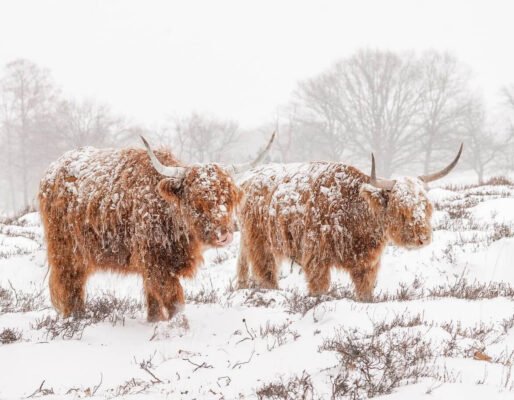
(154, 301)
(173, 296)
(164, 295)
(67, 285)
(364, 278)
(264, 266)
(154, 308)
(318, 278)
(243, 268)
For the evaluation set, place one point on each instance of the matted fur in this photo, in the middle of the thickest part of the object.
(110, 209)
(325, 215)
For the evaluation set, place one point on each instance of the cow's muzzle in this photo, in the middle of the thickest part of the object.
(224, 239)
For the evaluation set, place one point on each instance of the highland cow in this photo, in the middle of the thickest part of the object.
(326, 214)
(123, 210)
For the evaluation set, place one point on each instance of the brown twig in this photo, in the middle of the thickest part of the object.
(41, 390)
(145, 368)
(198, 366)
(95, 388)
(247, 330)
(238, 364)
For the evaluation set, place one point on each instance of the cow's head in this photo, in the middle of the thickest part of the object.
(403, 205)
(205, 194)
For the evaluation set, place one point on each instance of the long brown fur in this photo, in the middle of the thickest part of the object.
(110, 210)
(324, 215)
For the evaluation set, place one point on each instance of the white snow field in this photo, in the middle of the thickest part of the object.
(441, 325)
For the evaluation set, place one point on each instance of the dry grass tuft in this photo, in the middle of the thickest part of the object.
(9, 335)
(106, 308)
(203, 296)
(374, 365)
(12, 300)
(279, 334)
(296, 388)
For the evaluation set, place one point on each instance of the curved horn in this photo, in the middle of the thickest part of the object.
(172, 172)
(386, 184)
(445, 171)
(239, 168)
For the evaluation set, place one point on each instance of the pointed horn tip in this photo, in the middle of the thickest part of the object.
(272, 138)
(270, 142)
(144, 141)
(445, 171)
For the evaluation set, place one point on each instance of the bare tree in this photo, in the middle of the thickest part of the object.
(508, 93)
(203, 139)
(28, 98)
(484, 146)
(445, 100)
(88, 123)
(370, 102)
(316, 119)
(508, 148)
(37, 125)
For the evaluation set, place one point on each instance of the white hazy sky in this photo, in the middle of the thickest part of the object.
(238, 59)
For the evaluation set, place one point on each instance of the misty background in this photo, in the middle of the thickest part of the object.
(212, 80)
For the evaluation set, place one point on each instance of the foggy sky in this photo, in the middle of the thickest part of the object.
(155, 59)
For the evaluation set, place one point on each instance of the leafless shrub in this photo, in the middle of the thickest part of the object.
(5, 300)
(113, 309)
(459, 211)
(203, 296)
(299, 303)
(296, 388)
(338, 292)
(9, 335)
(462, 289)
(66, 328)
(499, 181)
(221, 257)
(131, 386)
(11, 220)
(280, 334)
(493, 181)
(500, 231)
(41, 390)
(399, 321)
(176, 326)
(20, 231)
(376, 364)
(12, 300)
(259, 298)
(106, 308)
(507, 324)
(479, 333)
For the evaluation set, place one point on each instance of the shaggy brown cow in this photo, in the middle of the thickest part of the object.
(124, 211)
(326, 214)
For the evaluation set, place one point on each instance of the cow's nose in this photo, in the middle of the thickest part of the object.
(424, 240)
(225, 238)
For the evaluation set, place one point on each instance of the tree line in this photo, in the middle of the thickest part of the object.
(411, 110)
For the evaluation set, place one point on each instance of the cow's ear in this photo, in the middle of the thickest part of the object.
(170, 189)
(375, 197)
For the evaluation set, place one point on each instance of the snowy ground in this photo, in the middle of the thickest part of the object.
(441, 326)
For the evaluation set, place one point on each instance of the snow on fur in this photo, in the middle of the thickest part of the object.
(110, 209)
(324, 215)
